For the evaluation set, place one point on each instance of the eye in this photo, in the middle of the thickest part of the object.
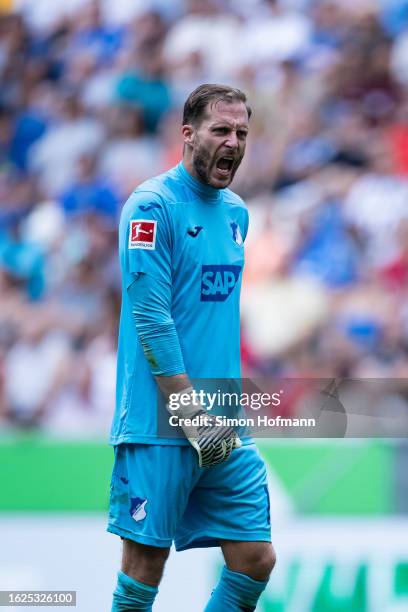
(220, 130)
(242, 134)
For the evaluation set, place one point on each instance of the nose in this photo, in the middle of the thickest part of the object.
(232, 141)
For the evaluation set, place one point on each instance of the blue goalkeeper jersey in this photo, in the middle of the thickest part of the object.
(189, 236)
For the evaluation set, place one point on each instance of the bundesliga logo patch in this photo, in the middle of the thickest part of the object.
(142, 234)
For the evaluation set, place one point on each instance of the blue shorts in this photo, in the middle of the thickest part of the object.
(160, 495)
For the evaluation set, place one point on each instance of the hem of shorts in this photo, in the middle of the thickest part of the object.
(131, 439)
(213, 539)
(141, 539)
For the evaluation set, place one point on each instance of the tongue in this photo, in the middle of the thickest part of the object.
(223, 164)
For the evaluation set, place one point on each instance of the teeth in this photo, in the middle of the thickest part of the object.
(230, 162)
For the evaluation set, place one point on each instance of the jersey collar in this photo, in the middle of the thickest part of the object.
(206, 192)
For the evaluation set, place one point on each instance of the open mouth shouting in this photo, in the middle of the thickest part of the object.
(224, 166)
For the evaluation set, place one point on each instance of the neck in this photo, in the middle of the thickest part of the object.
(189, 166)
(204, 190)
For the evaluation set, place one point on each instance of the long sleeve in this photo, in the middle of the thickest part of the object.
(150, 300)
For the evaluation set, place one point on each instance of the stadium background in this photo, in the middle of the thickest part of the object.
(90, 105)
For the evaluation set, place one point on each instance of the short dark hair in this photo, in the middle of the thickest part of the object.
(197, 102)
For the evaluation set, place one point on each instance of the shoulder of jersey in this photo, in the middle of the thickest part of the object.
(232, 198)
(164, 188)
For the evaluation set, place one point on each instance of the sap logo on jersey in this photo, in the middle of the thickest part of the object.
(218, 281)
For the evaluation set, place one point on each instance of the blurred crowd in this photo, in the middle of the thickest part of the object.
(91, 94)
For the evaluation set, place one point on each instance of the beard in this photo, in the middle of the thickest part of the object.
(203, 162)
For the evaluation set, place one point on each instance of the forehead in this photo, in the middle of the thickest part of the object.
(234, 113)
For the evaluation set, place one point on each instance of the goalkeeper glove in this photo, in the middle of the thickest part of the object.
(213, 443)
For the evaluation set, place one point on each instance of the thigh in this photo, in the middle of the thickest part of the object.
(229, 502)
(150, 489)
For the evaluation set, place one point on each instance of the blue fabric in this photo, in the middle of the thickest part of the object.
(195, 269)
(329, 253)
(394, 15)
(94, 195)
(157, 332)
(146, 92)
(235, 592)
(102, 42)
(23, 260)
(131, 595)
(194, 507)
(29, 127)
(364, 331)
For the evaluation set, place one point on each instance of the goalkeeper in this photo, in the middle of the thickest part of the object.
(181, 250)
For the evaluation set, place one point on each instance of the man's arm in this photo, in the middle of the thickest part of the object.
(172, 384)
(151, 301)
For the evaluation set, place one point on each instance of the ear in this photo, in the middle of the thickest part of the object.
(188, 134)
